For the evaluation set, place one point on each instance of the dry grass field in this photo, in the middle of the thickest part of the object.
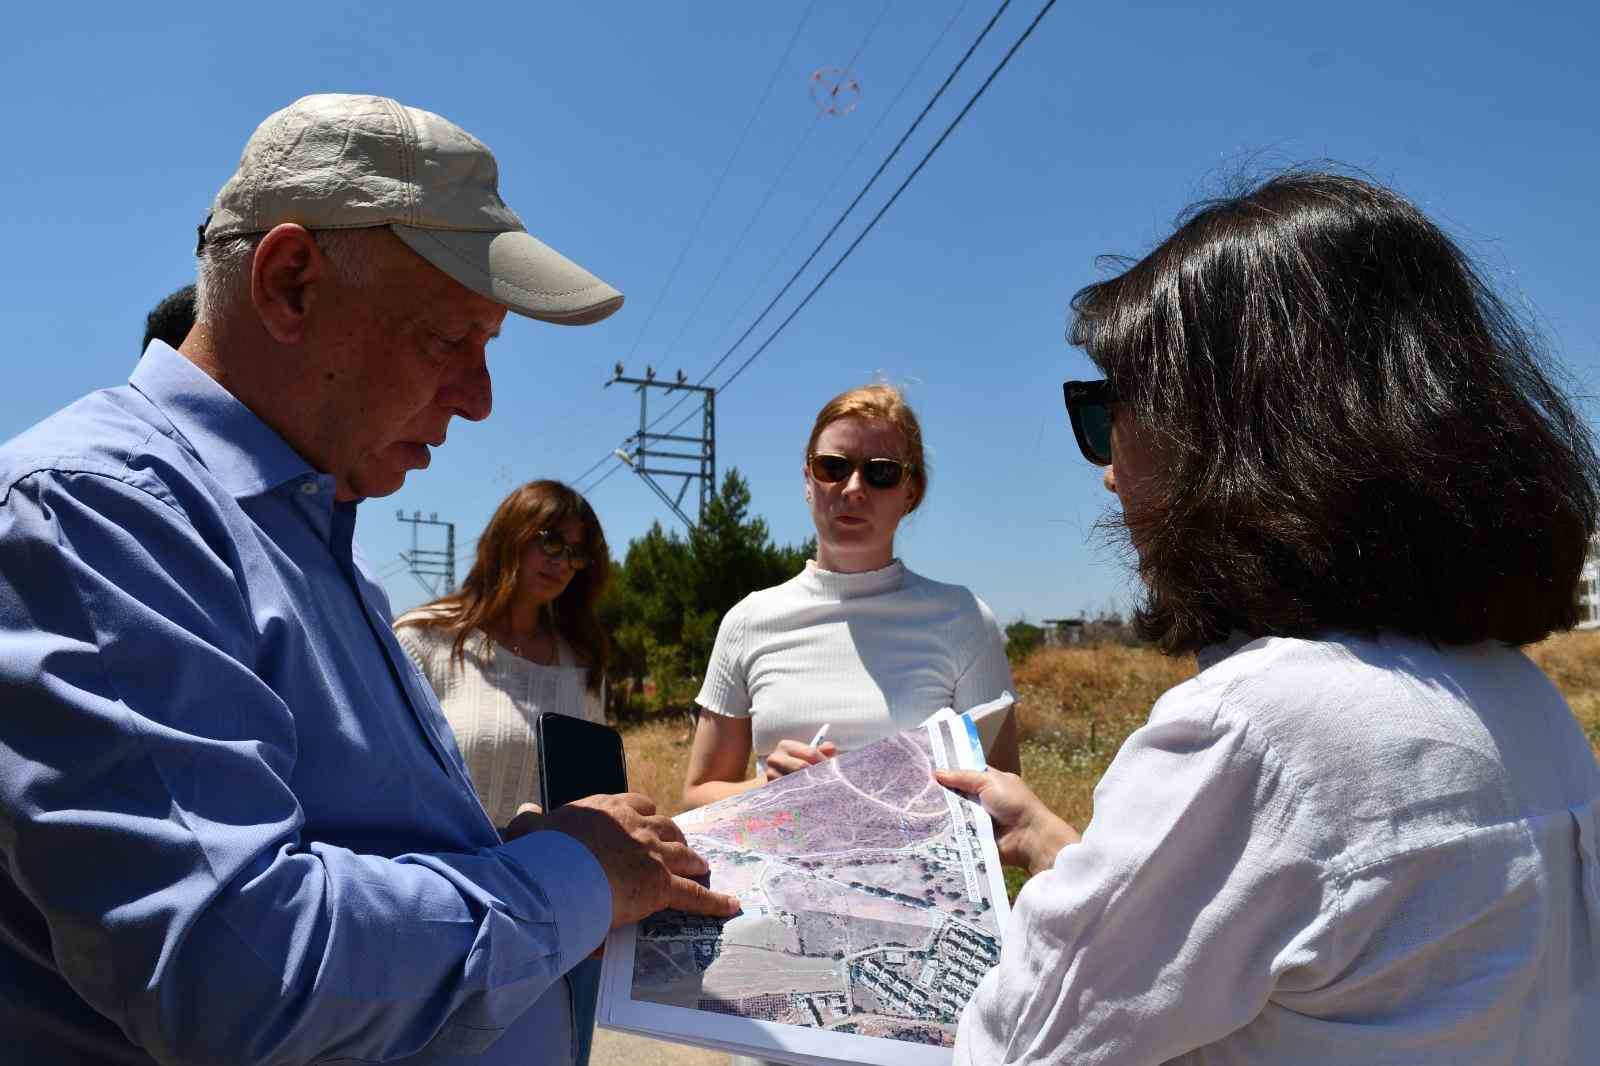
(1078, 705)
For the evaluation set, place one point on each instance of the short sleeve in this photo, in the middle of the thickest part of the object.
(1170, 925)
(988, 672)
(726, 689)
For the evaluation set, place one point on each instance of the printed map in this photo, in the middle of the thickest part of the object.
(868, 900)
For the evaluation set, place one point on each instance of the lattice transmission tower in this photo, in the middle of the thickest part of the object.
(431, 565)
(667, 455)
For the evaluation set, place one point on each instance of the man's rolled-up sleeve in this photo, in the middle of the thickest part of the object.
(147, 812)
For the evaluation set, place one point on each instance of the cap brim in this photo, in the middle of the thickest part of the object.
(516, 269)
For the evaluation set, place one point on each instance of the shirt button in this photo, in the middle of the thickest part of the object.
(309, 488)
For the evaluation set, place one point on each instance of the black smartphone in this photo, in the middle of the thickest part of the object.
(577, 759)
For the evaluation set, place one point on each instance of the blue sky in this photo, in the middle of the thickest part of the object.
(614, 122)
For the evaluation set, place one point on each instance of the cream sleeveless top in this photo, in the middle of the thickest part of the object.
(491, 701)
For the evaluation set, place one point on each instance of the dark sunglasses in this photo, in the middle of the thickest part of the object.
(1089, 408)
(829, 468)
(553, 545)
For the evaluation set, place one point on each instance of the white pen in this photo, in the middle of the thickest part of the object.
(820, 734)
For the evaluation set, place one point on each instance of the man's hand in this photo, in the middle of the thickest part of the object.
(528, 819)
(1027, 833)
(643, 854)
(791, 755)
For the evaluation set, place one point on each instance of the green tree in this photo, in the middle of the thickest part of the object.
(670, 592)
(1022, 639)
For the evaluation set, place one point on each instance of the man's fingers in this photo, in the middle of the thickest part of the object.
(664, 828)
(639, 802)
(528, 819)
(684, 860)
(686, 895)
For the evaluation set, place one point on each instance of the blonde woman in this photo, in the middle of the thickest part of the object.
(519, 638)
(857, 641)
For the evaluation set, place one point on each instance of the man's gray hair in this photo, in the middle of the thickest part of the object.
(223, 272)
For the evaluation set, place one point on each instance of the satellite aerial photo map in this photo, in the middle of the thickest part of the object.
(868, 905)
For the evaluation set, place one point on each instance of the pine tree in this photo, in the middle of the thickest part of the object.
(670, 593)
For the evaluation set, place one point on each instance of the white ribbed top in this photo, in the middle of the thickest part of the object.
(491, 702)
(870, 654)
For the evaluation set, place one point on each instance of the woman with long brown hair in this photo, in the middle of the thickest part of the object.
(521, 637)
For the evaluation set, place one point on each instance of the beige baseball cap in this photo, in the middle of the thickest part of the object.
(341, 161)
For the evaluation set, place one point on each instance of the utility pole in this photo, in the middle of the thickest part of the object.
(653, 455)
(428, 565)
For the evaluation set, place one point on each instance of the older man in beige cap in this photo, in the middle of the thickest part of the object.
(235, 825)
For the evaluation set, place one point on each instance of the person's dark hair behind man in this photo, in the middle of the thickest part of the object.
(170, 320)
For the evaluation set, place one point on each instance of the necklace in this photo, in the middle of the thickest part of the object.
(530, 642)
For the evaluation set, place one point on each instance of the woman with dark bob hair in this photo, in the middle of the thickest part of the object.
(1368, 831)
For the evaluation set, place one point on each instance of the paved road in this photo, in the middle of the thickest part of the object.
(624, 1049)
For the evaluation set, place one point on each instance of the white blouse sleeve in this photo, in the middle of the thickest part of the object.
(726, 689)
(415, 642)
(988, 672)
(1192, 894)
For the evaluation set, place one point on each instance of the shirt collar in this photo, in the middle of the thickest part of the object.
(243, 453)
(1212, 654)
(841, 586)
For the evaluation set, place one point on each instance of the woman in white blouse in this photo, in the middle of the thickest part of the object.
(521, 637)
(1369, 830)
(856, 642)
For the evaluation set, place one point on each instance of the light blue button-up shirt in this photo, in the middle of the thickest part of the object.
(234, 826)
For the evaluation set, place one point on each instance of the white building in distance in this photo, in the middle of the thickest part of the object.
(1589, 587)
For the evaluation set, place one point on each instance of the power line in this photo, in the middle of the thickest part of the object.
(592, 467)
(861, 147)
(603, 477)
(777, 180)
(893, 152)
(896, 194)
(717, 189)
(706, 207)
(872, 223)
(392, 570)
(882, 210)
(932, 101)
(828, 193)
(738, 244)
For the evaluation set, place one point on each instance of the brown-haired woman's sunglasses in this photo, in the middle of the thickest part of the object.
(1089, 408)
(553, 544)
(829, 468)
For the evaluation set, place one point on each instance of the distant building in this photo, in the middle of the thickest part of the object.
(1062, 632)
(1588, 592)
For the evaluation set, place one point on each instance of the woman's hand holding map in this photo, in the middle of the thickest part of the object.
(1027, 832)
(791, 755)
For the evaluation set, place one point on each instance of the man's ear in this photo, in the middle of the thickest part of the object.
(286, 266)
